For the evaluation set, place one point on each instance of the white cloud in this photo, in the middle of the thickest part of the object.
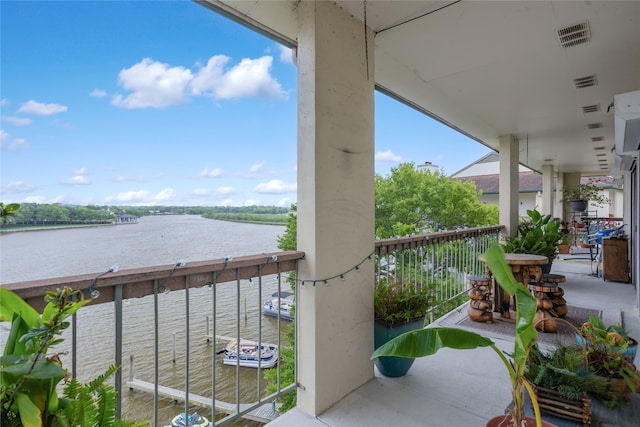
(122, 178)
(16, 187)
(40, 109)
(274, 186)
(388, 156)
(81, 171)
(286, 54)
(210, 173)
(4, 102)
(76, 180)
(256, 168)
(284, 203)
(98, 93)
(142, 197)
(17, 121)
(9, 144)
(153, 85)
(34, 199)
(249, 78)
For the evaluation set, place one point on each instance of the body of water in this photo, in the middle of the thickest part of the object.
(156, 240)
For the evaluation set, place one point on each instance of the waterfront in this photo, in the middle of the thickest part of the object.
(157, 240)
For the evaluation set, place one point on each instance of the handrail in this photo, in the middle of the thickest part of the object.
(139, 282)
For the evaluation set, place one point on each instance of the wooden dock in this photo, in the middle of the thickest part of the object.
(263, 414)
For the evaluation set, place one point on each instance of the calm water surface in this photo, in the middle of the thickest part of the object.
(156, 240)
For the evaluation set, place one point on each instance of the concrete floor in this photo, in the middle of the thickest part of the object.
(455, 388)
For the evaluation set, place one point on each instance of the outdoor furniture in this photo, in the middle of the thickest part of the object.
(526, 269)
(480, 307)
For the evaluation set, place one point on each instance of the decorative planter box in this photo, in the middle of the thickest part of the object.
(553, 403)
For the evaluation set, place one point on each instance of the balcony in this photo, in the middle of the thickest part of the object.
(456, 387)
(177, 304)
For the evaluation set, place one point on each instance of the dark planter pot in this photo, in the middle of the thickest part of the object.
(391, 366)
(579, 205)
(546, 268)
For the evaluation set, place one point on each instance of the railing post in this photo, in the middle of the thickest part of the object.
(118, 356)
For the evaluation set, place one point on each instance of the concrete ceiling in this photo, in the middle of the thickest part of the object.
(492, 68)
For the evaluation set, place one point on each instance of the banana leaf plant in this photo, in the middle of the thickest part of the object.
(428, 341)
(29, 376)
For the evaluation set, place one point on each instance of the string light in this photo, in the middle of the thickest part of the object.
(338, 276)
(94, 292)
(163, 288)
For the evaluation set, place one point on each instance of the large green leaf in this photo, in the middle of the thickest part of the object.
(427, 341)
(526, 304)
(30, 414)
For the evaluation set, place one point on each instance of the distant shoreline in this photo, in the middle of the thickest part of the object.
(21, 228)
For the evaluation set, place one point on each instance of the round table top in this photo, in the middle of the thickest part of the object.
(521, 259)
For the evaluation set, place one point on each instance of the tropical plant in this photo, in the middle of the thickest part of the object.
(29, 377)
(564, 369)
(428, 341)
(608, 356)
(538, 235)
(586, 192)
(7, 212)
(396, 302)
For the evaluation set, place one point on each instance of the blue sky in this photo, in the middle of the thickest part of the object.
(165, 103)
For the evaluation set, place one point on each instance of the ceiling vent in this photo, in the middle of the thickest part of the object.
(574, 35)
(594, 125)
(599, 148)
(597, 138)
(591, 108)
(587, 81)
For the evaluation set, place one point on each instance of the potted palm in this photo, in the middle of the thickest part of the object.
(398, 308)
(428, 341)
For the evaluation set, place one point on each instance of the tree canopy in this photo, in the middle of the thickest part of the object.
(409, 201)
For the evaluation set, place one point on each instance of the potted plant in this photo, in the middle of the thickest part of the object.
(564, 247)
(29, 376)
(538, 235)
(610, 353)
(428, 341)
(398, 308)
(579, 196)
(562, 381)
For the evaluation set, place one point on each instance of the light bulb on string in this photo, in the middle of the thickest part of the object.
(95, 294)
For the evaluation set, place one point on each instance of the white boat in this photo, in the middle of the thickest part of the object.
(282, 304)
(194, 420)
(250, 354)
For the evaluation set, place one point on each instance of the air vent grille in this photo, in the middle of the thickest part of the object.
(599, 148)
(591, 108)
(597, 138)
(574, 34)
(594, 125)
(587, 81)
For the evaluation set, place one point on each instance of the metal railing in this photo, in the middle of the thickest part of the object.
(237, 288)
(440, 261)
(161, 304)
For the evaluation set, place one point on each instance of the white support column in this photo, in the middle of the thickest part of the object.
(548, 195)
(509, 184)
(558, 200)
(335, 204)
